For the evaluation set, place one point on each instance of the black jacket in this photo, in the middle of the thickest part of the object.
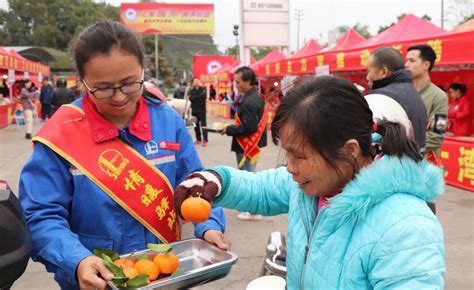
(62, 96)
(179, 92)
(197, 96)
(250, 111)
(399, 86)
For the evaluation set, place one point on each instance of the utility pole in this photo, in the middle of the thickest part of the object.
(157, 72)
(442, 14)
(298, 17)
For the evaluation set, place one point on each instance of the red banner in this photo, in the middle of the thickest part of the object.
(158, 18)
(457, 156)
(208, 64)
(6, 114)
(8, 61)
(449, 49)
(218, 109)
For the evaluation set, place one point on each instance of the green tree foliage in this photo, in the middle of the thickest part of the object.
(49, 23)
(361, 29)
(400, 17)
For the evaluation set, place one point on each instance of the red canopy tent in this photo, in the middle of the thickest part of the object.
(13, 60)
(272, 56)
(292, 64)
(14, 53)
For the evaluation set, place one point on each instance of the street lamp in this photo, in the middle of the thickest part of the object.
(236, 34)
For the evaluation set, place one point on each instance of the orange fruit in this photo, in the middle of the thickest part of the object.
(124, 263)
(196, 209)
(130, 272)
(147, 267)
(168, 263)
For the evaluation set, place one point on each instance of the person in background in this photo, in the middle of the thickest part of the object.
(197, 97)
(460, 115)
(4, 88)
(27, 98)
(420, 60)
(46, 98)
(354, 188)
(249, 133)
(103, 168)
(61, 94)
(386, 75)
(180, 90)
(212, 93)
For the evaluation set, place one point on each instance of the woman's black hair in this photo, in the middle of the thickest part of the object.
(101, 38)
(328, 111)
(459, 87)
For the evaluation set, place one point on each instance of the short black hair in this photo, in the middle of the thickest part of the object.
(389, 57)
(427, 53)
(458, 87)
(100, 38)
(248, 75)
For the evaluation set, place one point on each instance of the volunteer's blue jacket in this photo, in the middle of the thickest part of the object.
(69, 216)
(378, 233)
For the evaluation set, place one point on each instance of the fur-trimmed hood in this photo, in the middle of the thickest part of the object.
(382, 179)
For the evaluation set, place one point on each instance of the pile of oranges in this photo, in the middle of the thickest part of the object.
(155, 265)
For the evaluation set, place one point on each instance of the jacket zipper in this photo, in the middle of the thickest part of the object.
(310, 235)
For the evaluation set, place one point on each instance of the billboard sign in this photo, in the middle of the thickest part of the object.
(159, 18)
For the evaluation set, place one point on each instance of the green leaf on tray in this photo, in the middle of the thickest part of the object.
(178, 272)
(139, 281)
(117, 271)
(159, 248)
(110, 253)
(141, 256)
(119, 281)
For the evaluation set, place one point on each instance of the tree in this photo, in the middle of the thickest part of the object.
(361, 29)
(459, 11)
(400, 17)
(50, 23)
(260, 52)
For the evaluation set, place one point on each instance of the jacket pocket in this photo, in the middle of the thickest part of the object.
(92, 242)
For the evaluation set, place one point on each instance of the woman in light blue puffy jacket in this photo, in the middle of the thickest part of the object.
(356, 201)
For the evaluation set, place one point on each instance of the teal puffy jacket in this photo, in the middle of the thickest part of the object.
(378, 233)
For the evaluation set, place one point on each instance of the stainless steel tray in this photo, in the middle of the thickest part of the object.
(199, 263)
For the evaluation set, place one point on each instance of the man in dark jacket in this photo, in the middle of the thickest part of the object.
(61, 94)
(386, 76)
(180, 90)
(197, 96)
(250, 112)
(46, 97)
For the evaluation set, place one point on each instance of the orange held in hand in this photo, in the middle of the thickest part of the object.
(147, 267)
(196, 209)
(168, 263)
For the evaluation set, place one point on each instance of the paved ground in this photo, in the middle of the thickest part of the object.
(456, 213)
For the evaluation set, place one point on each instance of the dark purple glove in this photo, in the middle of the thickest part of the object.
(207, 184)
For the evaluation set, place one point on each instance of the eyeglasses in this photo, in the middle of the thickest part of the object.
(128, 88)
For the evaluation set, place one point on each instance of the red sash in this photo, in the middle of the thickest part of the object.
(250, 143)
(116, 168)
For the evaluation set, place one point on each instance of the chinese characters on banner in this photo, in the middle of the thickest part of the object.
(457, 157)
(159, 18)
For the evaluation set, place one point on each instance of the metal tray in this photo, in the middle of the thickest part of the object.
(210, 130)
(199, 263)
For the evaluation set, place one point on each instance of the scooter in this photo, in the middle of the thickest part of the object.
(273, 273)
(15, 244)
(275, 259)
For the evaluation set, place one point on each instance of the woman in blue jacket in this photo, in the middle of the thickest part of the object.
(356, 201)
(68, 212)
